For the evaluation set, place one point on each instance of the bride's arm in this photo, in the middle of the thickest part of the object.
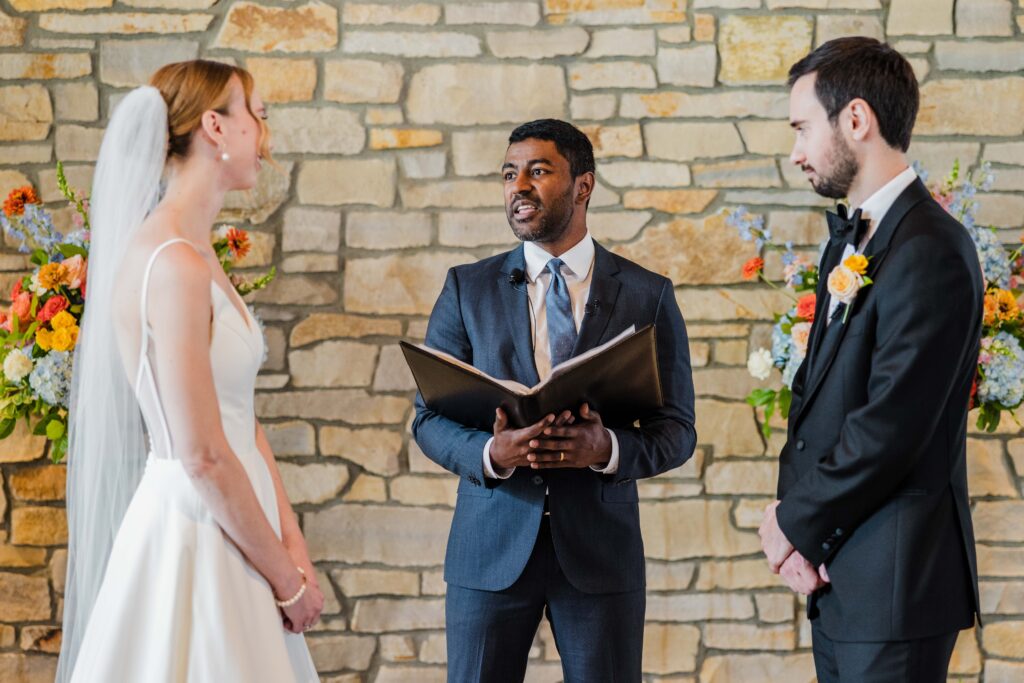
(180, 310)
(291, 534)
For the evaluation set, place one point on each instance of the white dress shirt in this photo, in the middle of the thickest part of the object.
(873, 210)
(578, 271)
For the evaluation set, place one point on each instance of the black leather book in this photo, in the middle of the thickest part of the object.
(619, 380)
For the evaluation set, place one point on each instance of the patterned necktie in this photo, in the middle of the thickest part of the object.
(561, 324)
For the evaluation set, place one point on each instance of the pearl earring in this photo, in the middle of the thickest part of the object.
(224, 156)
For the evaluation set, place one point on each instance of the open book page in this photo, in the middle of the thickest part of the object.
(568, 365)
(509, 384)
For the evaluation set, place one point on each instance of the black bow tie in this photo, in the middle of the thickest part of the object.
(845, 229)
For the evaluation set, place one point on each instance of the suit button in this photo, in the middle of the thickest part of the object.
(826, 547)
(538, 480)
(839, 532)
(800, 444)
(474, 481)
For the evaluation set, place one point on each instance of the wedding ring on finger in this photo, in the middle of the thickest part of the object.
(561, 456)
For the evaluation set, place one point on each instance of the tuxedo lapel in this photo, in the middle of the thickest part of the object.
(876, 251)
(515, 309)
(604, 291)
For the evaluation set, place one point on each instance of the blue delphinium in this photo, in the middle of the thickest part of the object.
(994, 259)
(1002, 362)
(51, 378)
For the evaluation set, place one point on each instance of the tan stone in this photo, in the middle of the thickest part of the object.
(420, 14)
(513, 13)
(41, 639)
(758, 667)
(398, 284)
(77, 143)
(799, 227)
(250, 27)
(670, 648)
(750, 511)
(333, 364)
(741, 477)
(1000, 561)
(1003, 672)
(824, 4)
(612, 75)
(767, 137)
(16, 155)
(669, 576)
(736, 574)
(972, 107)
(76, 102)
(387, 230)
(312, 483)
(39, 526)
(473, 94)
(473, 229)
(320, 326)
(12, 31)
(23, 598)
(47, 5)
(794, 198)
(297, 289)
(379, 615)
(616, 225)
(774, 607)
(670, 201)
(6, 636)
(10, 180)
(1004, 639)
(747, 173)
(25, 112)
(1001, 597)
(987, 473)
(316, 131)
(999, 521)
(411, 490)
(615, 141)
(367, 489)
(170, 4)
(125, 23)
(832, 26)
(1001, 211)
(615, 12)
(738, 103)
(693, 66)
(695, 607)
(920, 17)
(704, 27)
(731, 352)
(27, 668)
(396, 536)
(593, 107)
(622, 42)
(644, 174)
(39, 66)
(403, 674)
(348, 181)
(723, 636)
(404, 138)
(334, 652)
(544, 44)
(311, 230)
(362, 80)
(420, 165)
(392, 372)
(760, 49)
(129, 63)
(258, 204)
(728, 427)
(398, 648)
(291, 438)
(375, 450)
(433, 584)
(716, 331)
(691, 252)
(479, 152)
(283, 80)
(352, 405)
(20, 557)
(411, 44)
(689, 141)
(38, 483)
(692, 528)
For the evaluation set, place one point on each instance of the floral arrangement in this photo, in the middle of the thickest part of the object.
(40, 328)
(999, 386)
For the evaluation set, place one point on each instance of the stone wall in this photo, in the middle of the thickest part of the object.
(389, 121)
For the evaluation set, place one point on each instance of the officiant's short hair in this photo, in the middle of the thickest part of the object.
(570, 141)
(865, 68)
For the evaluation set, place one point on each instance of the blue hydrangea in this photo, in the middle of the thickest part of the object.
(995, 261)
(51, 378)
(1002, 362)
(782, 346)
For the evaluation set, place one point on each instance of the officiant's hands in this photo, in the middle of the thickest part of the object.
(511, 447)
(572, 445)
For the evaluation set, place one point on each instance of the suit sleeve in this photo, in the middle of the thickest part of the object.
(667, 438)
(929, 313)
(453, 446)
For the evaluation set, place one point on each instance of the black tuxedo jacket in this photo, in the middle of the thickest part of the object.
(873, 478)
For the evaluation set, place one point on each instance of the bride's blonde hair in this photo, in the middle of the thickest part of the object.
(194, 87)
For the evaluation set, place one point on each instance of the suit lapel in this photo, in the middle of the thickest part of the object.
(516, 307)
(604, 291)
(876, 251)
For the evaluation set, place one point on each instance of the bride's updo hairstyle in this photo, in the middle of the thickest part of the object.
(194, 87)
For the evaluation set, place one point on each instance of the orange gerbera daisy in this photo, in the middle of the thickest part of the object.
(805, 306)
(238, 242)
(15, 203)
(752, 268)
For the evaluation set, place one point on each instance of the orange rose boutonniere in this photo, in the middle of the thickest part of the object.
(847, 279)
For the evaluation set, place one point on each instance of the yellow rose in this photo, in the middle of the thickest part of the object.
(44, 338)
(858, 263)
(62, 320)
(843, 284)
(62, 339)
(1007, 305)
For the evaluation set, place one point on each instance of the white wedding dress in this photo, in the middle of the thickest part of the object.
(179, 602)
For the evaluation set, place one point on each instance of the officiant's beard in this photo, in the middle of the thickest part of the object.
(842, 172)
(553, 222)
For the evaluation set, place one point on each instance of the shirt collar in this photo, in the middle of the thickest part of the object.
(877, 205)
(578, 260)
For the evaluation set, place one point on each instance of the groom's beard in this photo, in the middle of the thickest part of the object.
(843, 171)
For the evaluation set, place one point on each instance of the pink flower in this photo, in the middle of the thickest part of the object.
(20, 306)
(52, 307)
(77, 268)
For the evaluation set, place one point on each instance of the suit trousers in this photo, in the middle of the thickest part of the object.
(489, 633)
(924, 660)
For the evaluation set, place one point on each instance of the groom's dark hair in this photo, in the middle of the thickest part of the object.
(859, 67)
(569, 140)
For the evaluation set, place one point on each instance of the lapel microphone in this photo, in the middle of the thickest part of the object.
(516, 277)
(592, 306)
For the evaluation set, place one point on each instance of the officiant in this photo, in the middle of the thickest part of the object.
(547, 520)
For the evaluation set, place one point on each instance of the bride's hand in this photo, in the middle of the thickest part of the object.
(305, 613)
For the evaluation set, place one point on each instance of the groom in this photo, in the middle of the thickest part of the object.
(547, 518)
(872, 519)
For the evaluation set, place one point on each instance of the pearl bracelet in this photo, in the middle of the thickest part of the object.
(298, 596)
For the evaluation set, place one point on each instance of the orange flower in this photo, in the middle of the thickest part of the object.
(15, 203)
(858, 263)
(20, 306)
(53, 275)
(991, 310)
(1007, 305)
(805, 306)
(52, 307)
(238, 242)
(753, 268)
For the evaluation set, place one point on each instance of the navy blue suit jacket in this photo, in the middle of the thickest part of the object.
(482, 317)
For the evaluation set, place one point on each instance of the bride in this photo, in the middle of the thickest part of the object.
(188, 565)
